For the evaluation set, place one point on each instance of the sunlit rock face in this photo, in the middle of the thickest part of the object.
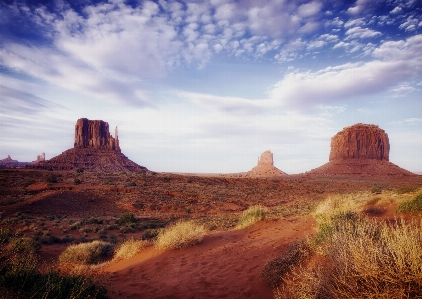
(94, 134)
(360, 141)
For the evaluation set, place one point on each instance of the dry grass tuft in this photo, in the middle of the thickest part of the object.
(276, 268)
(356, 257)
(181, 235)
(87, 253)
(129, 248)
(251, 216)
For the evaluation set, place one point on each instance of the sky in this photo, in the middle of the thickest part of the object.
(207, 86)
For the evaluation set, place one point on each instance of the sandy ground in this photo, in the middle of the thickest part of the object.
(225, 265)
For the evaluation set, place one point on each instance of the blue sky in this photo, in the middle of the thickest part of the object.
(207, 86)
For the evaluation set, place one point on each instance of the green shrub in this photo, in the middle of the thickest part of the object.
(150, 233)
(413, 206)
(87, 253)
(126, 218)
(77, 181)
(251, 216)
(51, 178)
(24, 281)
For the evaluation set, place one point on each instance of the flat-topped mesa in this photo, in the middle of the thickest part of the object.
(95, 134)
(266, 158)
(360, 141)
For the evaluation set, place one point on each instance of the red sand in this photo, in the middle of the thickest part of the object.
(225, 265)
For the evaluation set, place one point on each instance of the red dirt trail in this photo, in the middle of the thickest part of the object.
(225, 265)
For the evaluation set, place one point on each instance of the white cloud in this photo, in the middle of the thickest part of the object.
(396, 10)
(354, 23)
(360, 7)
(411, 24)
(394, 62)
(309, 9)
(358, 32)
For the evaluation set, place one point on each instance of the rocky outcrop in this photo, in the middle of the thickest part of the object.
(360, 141)
(265, 167)
(94, 134)
(360, 151)
(95, 149)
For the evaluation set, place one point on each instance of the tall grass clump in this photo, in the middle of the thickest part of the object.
(129, 248)
(180, 235)
(87, 253)
(251, 216)
(361, 258)
(413, 206)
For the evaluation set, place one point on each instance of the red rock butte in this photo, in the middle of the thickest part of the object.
(360, 150)
(265, 167)
(360, 141)
(95, 149)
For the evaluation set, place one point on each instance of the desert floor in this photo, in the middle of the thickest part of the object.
(49, 206)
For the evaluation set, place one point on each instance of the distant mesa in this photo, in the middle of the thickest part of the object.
(360, 150)
(95, 149)
(265, 167)
(10, 163)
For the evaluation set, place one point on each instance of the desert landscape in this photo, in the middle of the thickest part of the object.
(90, 223)
(193, 149)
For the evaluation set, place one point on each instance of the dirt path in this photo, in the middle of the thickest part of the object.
(225, 265)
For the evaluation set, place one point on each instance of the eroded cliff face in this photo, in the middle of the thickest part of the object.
(360, 141)
(94, 134)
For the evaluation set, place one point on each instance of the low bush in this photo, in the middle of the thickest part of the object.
(150, 233)
(413, 206)
(77, 181)
(129, 248)
(126, 218)
(19, 277)
(276, 268)
(51, 178)
(251, 216)
(87, 253)
(180, 235)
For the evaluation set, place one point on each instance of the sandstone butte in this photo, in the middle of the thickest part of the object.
(95, 149)
(360, 150)
(265, 167)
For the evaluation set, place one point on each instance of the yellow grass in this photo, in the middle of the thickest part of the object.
(359, 258)
(181, 235)
(251, 216)
(130, 248)
(86, 253)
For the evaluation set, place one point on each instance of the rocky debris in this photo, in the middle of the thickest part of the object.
(360, 168)
(265, 167)
(360, 141)
(95, 149)
(94, 134)
(360, 151)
